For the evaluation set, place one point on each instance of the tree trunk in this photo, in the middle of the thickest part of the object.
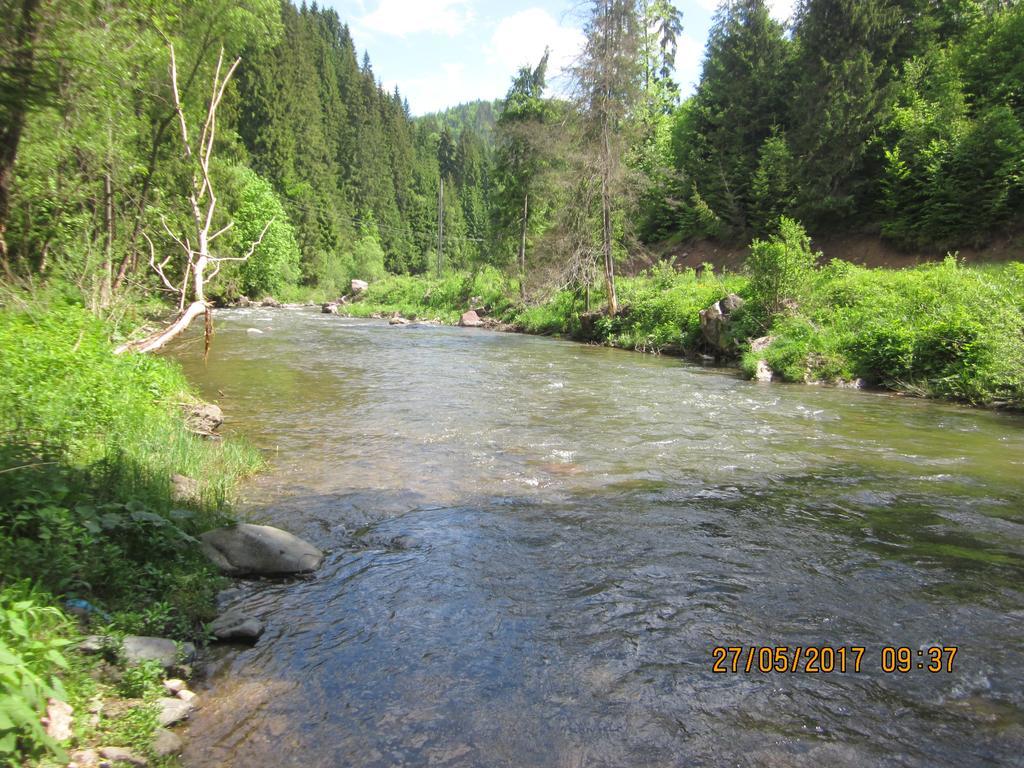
(522, 247)
(10, 134)
(107, 268)
(606, 216)
(158, 339)
(440, 227)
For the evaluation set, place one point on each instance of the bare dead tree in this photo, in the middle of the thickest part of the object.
(195, 257)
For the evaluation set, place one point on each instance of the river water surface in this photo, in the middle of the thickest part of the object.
(534, 545)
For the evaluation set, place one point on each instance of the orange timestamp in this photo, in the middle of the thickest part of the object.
(826, 659)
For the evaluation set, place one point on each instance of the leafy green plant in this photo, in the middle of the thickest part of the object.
(781, 268)
(31, 653)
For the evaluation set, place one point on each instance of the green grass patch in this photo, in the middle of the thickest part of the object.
(90, 442)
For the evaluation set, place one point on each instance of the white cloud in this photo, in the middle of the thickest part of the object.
(520, 39)
(444, 86)
(689, 60)
(782, 10)
(401, 18)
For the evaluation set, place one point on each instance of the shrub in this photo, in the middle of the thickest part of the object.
(781, 268)
(31, 654)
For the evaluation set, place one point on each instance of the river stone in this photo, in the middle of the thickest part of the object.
(235, 625)
(398, 320)
(330, 308)
(172, 710)
(204, 418)
(270, 301)
(121, 755)
(137, 648)
(174, 685)
(166, 742)
(259, 549)
(470, 319)
(358, 286)
(763, 372)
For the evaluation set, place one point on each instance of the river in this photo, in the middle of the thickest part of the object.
(534, 546)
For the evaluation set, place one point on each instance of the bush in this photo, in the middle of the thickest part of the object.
(90, 443)
(31, 654)
(781, 269)
(274, 264)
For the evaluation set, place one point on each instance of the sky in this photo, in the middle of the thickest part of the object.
(446, 52)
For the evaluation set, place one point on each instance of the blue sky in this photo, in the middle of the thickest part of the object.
(445, 52)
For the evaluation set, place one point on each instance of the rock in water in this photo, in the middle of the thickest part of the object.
(398, 320)
(259, 549)
(166, 743)
(235, 625)
(137, 648)
(470, 319)
(763, 371)
(330, 308)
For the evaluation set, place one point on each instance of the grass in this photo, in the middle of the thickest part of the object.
(91, 441)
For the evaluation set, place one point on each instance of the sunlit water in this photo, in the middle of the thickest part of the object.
(534, 545)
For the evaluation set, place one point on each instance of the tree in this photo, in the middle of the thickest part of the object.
(17, 90)
(202, 198)
(843, 86)
(520, 155)
(740, 100)
(607, 77)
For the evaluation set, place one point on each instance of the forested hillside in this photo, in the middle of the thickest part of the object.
(899, 117)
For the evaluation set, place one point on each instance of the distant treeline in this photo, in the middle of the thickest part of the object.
(901, 117)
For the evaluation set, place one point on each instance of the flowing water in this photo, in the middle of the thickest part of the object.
(534, 546)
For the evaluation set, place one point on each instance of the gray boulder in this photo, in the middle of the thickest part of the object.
(397, 320)
(172, 711)
(204, 418)
(166, 743)
(236, 626)
(137, 648)
(330, 308)
(358, 286)
(763, 372)
(470, 319)
(259, 549)
(714, 322)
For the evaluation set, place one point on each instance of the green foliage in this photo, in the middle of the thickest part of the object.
(950, 176)
(91, 441)
(942, 330)
(140, 681)
(274, 264)
(781, 269)
(31, 656)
